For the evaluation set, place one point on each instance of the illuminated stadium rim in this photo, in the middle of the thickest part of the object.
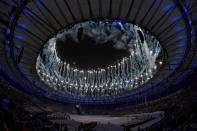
(13, 24)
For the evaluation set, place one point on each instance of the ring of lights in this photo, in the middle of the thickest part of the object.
(174, 28)
(124, 75)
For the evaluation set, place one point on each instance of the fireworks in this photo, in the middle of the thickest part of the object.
(128, 73)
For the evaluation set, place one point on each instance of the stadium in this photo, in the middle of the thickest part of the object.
(96, 65)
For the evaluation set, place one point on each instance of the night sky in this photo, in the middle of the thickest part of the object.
(87, 54)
